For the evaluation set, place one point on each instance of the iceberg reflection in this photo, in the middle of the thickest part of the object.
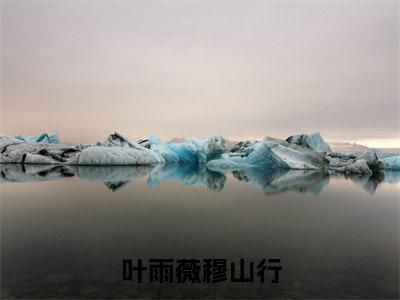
(368, 183)
(270, 181)
(192, 175)
(114, 177)
(34, 172)
(284, 180)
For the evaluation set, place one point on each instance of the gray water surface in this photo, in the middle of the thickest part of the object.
(66, 230)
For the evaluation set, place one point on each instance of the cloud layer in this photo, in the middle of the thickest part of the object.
(197, 69)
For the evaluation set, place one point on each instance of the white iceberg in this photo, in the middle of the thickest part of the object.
(357, 163)
(313, 141)
(115, 156)
(16, 151)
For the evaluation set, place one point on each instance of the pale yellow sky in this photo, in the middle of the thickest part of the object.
(243, 70)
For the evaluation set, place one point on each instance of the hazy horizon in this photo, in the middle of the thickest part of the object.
(243, 70)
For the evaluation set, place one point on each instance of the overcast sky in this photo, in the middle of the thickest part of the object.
(197, 69)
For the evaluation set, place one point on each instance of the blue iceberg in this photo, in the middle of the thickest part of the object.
(270, 153)
(190, 151)
(51, 138)
(392, 162)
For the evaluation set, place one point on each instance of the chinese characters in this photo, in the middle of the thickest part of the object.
(209, 270)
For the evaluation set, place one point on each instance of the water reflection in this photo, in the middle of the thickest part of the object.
(67, 238)
(114, 177)
(32, 173)
(190, 175)
(392, 176)
(271, 181)
(369, 183)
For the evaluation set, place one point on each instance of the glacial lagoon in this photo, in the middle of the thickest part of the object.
(66, 229)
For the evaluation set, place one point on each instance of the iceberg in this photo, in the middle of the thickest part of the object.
(392, 162)
(313, 141)
(190, 151)
(298, 152)
(118, 150)
(17, 151)
(51, 138)
(115, 156)
(358, 163)
(270, 153)
(4, 137)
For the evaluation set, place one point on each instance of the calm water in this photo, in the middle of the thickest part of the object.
(65, 231)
